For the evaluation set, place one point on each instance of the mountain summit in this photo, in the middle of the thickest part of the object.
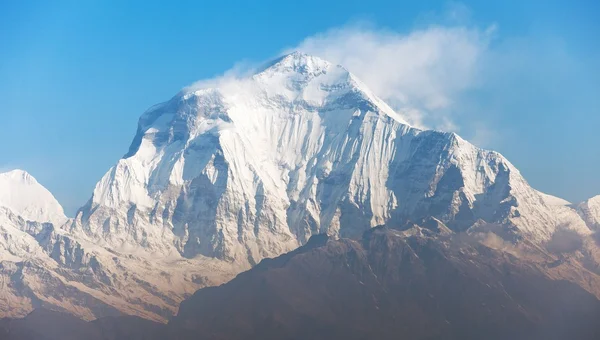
(22, 194)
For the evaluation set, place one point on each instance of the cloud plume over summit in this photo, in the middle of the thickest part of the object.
(420, 73)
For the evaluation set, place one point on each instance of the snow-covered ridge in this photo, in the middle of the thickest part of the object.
(22, 194)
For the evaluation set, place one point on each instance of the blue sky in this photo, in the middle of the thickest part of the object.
(520, 77)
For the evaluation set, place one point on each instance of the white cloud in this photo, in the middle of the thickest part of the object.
(419, 73)
(453, 76)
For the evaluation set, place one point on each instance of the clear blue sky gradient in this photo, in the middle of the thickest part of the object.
(76, 75)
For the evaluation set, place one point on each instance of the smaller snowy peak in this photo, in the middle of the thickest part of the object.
(590, 211)
(23, 195)
(19, 175)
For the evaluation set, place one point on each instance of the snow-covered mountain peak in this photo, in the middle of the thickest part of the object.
(590, 212)
(23, 195)
(317, 82)
(294, 82)
(298, 63)
(19, 175)
(595, 200)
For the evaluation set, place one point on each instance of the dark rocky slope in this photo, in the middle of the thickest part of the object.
(389, 286)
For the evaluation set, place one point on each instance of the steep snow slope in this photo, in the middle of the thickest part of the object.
(242, 169)
(22, 194)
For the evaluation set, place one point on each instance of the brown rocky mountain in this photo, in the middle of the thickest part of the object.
(391, 284)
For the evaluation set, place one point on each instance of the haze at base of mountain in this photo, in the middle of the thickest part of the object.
(43, 324)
